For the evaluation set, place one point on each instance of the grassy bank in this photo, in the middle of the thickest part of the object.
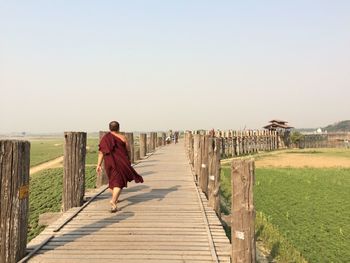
(300, 211)
(46, 195)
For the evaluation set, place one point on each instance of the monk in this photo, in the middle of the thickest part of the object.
(113, 149)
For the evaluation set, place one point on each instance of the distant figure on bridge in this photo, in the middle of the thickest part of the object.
(212, 133)
(176, 137)
(113, 149)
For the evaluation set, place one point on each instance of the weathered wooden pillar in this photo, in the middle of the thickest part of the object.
(247, 135)
(264, 138)
(14, 199)
(243, 212)
(244, 144)
(214, 174)
(137, 155)
(143, 144)
(234, 145)
(239, 148)
(102, 179)
(153, 138)
(271, 140)
(164, 138)
(196, 155)
(160, 141)
(256, 141)
(203, 178)
(191, 154)
(74, 169)
(130, 137)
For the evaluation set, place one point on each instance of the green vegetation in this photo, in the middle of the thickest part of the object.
(44, 150)
(337, 152)
(46, 195)
(326, 152)
(296, 136)
(92, 151)
(342, 126)
(305, 210)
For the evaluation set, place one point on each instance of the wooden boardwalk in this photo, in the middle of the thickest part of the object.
(164, 219)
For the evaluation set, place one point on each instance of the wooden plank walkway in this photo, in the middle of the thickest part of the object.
(161, 220)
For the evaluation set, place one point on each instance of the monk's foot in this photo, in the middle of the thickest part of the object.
(114, 207)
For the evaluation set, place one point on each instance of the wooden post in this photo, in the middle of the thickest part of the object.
(243, 212)
(102, 179)
(153, 137)
(143, 144)
(244, 143)
(196, 155)
(155, 140)
(214, 174)
(74, 169)
(14, 201)
(130, 138)
(239, 144)
(164, 138)
(190, 146)
(203, 178)
(160, 141)
(137, 155)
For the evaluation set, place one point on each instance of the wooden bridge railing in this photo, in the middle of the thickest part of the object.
(14, 184)
(204, 153)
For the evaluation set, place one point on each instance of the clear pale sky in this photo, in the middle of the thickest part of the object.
(155, 65)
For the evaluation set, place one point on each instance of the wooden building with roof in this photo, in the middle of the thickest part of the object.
(277, 124)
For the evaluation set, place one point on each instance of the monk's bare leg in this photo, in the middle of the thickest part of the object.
(115, 196)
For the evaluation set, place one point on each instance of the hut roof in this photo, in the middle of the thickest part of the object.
(278, 121)
(275, 125)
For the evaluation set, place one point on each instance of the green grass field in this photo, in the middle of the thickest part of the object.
(300, 210)
(44, 150)
(322, 152)
(46, 195)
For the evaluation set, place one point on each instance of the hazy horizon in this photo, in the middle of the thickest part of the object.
(155, 65)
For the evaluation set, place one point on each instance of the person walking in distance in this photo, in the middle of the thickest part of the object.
(113, 149)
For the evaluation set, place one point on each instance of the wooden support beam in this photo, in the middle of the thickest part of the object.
(130, 137)
(243, 212)
(203, 178)
(143, 144)
(214, 174)
(196, 155)
(102, 179)
(14, 199)
(74, 169)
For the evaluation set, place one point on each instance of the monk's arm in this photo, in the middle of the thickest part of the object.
(99, 162)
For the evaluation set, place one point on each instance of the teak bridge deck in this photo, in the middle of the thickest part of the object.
(165, 219)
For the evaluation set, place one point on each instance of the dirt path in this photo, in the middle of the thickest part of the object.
(303, 160)
(297, 160)
(50, 164)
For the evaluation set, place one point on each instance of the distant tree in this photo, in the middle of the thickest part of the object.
(342, 126)
(296, 137)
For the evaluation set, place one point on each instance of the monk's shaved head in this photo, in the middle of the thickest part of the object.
(114, 126)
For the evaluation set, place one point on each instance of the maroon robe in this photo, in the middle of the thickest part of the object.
(117, 164)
